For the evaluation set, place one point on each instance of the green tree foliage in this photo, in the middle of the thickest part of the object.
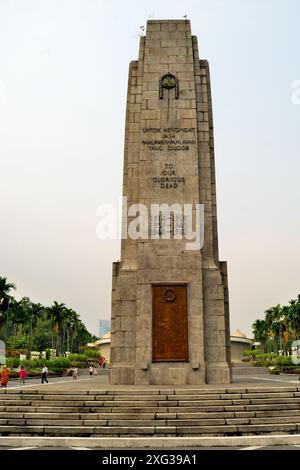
(280, 327)
(32, 326)
(5, 298)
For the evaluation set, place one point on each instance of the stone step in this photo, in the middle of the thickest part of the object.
(295, 391)
(146, 404)
(246, 370)
(272, 406)
(139, 393)
(155, 415)
(148, 423)
(267, 428)
(49, 430)
(17, 414)
(238, 429)
(78, 430)
(44, 409)
(153, 444)
(270, 395)
(241, 364)
(148, 391)
(245, 420)
(114, 430)
(275, 419)
(267, 413)
(160, 409)
(205, 399)
(140, 410)
(181, 430)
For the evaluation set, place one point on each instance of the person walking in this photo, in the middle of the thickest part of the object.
(91, 371)
(75, 373)
(4, 376)
(44, 374)
(23, 375)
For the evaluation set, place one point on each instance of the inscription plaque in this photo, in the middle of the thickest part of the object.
(170, 323)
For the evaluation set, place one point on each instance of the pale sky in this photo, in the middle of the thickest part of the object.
(63, 82)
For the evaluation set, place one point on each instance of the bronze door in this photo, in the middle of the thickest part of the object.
(170, 323)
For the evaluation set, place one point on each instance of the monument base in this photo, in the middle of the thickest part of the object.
(169, 374)
(218, 373)
(122, 375)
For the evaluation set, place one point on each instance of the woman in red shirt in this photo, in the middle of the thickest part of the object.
(23, 375)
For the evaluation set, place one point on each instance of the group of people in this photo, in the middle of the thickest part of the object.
(4, 374)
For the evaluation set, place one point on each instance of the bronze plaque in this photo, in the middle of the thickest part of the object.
(170, 323)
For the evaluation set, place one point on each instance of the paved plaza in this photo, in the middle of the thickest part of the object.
(252, 376)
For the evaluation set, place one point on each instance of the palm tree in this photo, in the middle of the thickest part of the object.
(5, 288)
(34, 314)
(294, 317)
(70, 320)
(260, 331)
(56, 313)
(277, 326)
(18, 316)
(83, 336)
(75, 330)
(281, 326)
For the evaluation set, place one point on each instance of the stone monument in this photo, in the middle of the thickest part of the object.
(170, 311)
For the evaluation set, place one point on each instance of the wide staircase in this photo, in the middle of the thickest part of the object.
(247, 369)
(165, 412)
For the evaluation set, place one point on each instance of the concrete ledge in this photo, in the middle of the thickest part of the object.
(150, 443)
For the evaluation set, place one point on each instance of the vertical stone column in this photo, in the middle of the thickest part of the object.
(215, 289)
(124, 283)
(168, 49)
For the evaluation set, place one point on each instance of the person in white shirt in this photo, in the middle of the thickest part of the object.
(44, 374)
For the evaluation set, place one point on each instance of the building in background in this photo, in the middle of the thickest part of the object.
(103, 345)
(239, 343)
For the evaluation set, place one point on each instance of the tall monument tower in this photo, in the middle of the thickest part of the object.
(170, 312)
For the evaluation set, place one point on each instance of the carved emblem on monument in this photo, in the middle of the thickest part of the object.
(168, 81)
(169, 295)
